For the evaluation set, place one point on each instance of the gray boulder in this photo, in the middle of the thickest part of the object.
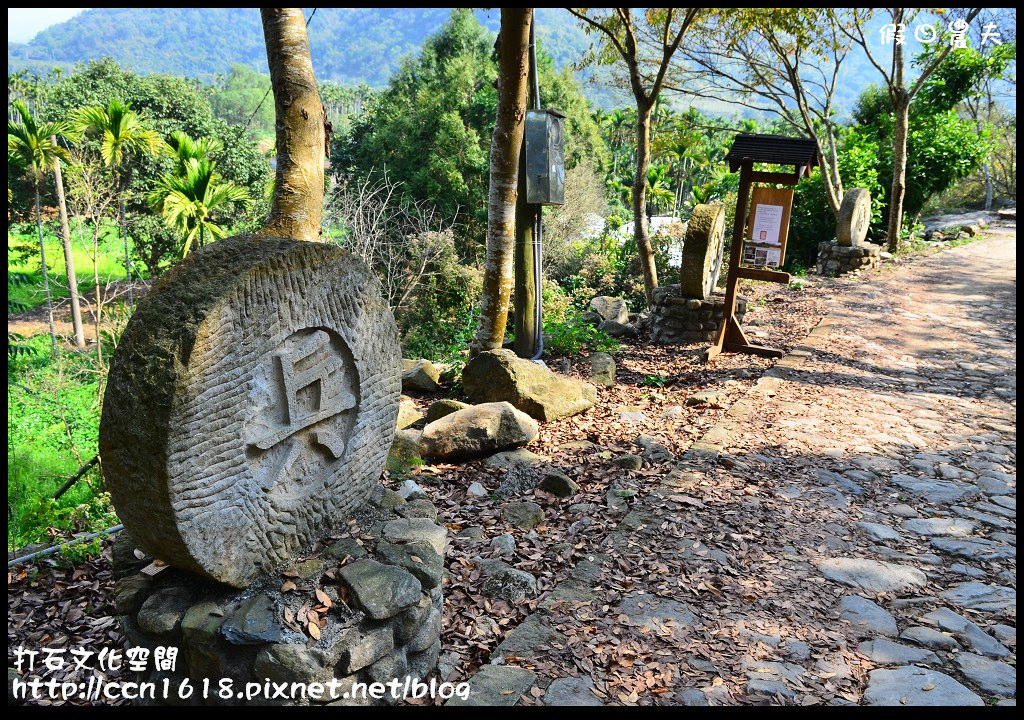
(610, 308)
(405, 450)
(444, 407)
(382, 591)
(420, 375)
(477, 430)
(602, 369)
(560, 484)
(872, 575)
(408, 413)
(619, 330)
(503, 581)
(502, 376)
(866, 617)
(916, 686)
(523, 515)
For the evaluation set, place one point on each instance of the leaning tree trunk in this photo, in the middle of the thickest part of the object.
(46, 276)
(899, 173)
(513, 71)
(300, 128)
(643, 239)
(69, 260)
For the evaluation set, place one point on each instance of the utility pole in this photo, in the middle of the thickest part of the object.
(525, 311)
(525, 291)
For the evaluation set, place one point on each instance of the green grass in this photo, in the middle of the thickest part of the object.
(52, 412)
(23, 257)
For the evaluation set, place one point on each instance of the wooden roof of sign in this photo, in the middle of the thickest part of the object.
(799, 152)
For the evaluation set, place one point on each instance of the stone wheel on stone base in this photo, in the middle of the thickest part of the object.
(702, 252)
(854, 217)
(250, 405)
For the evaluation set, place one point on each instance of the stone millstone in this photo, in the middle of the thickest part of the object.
(250, 405)
(854, 217)
(501, 376)
(702, 251)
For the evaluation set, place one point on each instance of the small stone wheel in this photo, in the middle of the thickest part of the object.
(702, 252)
(854, 217)
(250, 405)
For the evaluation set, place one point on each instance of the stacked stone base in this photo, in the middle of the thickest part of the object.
(675, 319)
(835, 259)
(381, 578)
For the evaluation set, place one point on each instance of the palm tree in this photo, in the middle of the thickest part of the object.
(34, 148)
(618, 123)
(69, 258)
(189, 201)
(658, 187)
(121, 134)
(184, 148)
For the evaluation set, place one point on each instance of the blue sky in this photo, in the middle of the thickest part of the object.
(24, 23)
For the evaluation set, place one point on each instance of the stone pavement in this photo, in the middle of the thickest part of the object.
(847, 535)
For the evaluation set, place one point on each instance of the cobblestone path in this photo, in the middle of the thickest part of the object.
(852, 540)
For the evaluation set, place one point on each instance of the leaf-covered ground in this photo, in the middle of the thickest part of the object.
(52, 605)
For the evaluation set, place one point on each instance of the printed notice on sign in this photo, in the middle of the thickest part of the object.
(767, 225)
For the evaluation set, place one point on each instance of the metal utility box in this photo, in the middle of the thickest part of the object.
(545, 157)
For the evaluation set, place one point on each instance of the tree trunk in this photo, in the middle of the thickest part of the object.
(46, 276)
(69, 260)
(300, 128)
(506, 144)
(986, 171)
(98, 315)
(643, 240)
(127, 258)
(899, 171)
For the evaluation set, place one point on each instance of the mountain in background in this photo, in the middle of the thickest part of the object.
(349, 45)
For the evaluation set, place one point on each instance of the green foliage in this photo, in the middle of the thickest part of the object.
(812, 220)
(82, 551)
(236, 97)
(430, 130)
(23, 266)
(153, 243)
(191, 201)
(166, 105)
(348, 45)
(655, 381)
(574, 335)
(119, 131)
(52, 426)
(942, 146)
(29, 146)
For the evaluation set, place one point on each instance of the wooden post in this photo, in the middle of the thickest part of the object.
(731, 337)
(730, 330)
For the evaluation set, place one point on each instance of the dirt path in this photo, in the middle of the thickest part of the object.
(853, 542)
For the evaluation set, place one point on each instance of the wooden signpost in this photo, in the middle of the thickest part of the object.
(767, 210)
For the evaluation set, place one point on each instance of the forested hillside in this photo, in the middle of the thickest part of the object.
(348, 45)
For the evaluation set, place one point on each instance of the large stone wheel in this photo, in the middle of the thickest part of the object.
(854, 217)
(250, 405)
(702, 252)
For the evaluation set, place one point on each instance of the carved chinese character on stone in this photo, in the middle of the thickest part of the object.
(306, 392)
(250, 405)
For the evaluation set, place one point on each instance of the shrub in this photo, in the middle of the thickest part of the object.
(575, 335)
